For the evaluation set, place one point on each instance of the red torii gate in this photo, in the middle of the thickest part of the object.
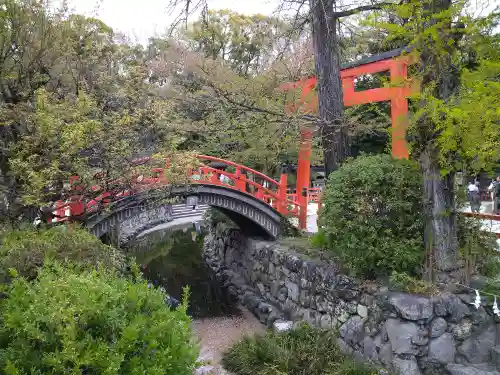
(398, 93)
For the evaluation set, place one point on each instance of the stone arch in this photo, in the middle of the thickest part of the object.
(133, 215)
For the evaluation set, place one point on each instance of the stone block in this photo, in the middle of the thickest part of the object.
(452, 307)
(261, 289)
(352, 307)
(495, 356)
(326, 321)
(344, 347)
(442, 349)
(305, 298)
(462, 330)
(411, 307)
(366, 299)
(476, 349)
(370, 349)
(400, 335)
(362, 311)
(438, 327)
(352, 330)
(406, 366)
(456, 369)
(293, 291)
(385, 354)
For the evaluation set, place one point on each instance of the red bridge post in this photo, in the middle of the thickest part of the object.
(282, 195)
(304, 174)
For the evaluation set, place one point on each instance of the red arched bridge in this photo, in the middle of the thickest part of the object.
(256, 202)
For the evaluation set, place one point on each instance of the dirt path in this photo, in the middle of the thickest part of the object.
(216, 335)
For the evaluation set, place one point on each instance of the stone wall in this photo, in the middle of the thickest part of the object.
(406, 334)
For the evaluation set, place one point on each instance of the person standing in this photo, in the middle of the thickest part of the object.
(496, 197)
(474, 198)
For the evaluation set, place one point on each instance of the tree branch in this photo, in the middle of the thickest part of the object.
(362, 8)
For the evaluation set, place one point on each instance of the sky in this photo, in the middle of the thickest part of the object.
(141, 19)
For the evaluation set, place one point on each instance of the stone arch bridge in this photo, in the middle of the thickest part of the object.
(257, 203)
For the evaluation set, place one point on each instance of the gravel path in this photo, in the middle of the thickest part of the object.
(216, 335)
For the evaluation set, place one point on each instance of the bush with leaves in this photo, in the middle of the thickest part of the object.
(372, 216)
(92, 322)
(25, 250)
(479, 249)
(304, 350)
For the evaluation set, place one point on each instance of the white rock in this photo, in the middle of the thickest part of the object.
(362, 311)
(282, 326)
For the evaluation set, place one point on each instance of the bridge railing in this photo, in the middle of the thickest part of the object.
(484, 216)
(261, 186)
(243, 179)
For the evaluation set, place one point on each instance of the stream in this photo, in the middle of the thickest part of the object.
(171, 258)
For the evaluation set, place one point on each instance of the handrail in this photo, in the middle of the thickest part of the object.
(240, 178)
(253, 171)
(479, 215)
(274, 195)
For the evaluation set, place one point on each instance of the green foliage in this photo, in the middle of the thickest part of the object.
(304, 350)
(319, 240)
(479, 249)
(26, 250)
(92, 322)
(458, 64)
(372, 216)
(239, 39)
(216, 218)
(406, 283)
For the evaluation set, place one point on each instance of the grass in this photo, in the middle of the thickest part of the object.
(403, 282)
(306, 246)
(303, 351)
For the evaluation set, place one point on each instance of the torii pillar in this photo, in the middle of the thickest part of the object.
(398, 93)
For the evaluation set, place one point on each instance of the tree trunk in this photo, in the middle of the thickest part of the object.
(440, 224)
(334, 132)
(439, 74)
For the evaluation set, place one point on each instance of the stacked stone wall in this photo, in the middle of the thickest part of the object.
(406, 334)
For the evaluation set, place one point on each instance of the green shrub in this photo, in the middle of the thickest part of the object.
(302, 351)
(372, 216)
(26, 250)
(479, 249)
(92, 322)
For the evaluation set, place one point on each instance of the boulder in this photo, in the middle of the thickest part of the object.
(495, 356)
(293, 291)
(442, 349)
(352, 330)
(476, 349)
(406, 366)
(326, 321)
(344, 347)
(401, 335)
(362, 311)
(438, 327)
(462, 330)
(385, 354)
(282, 326)
(450, 305)
(411, 307)
(370, 349)
(456, 369)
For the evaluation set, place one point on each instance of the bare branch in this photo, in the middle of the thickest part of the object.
(363, 8)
